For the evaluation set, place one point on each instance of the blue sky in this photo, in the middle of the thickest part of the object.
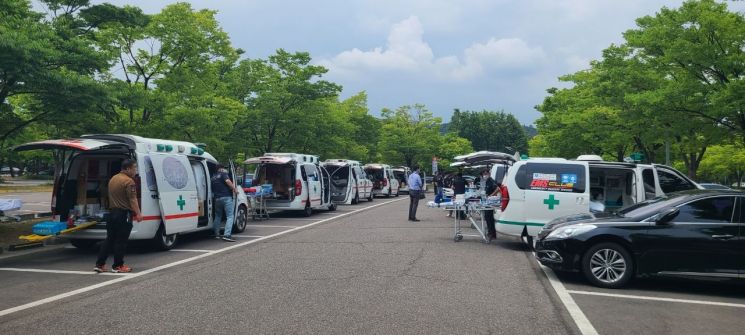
(467, 54)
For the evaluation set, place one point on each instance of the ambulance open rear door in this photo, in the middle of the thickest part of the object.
(177, 192)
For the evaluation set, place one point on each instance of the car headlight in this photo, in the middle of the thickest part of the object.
(570, 231)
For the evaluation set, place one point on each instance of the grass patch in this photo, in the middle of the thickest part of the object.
(24, 189)
(10, 230)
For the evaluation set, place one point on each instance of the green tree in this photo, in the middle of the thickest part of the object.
(724, 163)
(489, 130)
(165, 59)
(451, 145)
(282, 95)
(48, 66)
(409, 135)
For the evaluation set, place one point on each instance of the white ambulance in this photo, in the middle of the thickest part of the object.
(298, 182)
(384, 183)
(402, 173)
(349, 182)
(173, 181)
(538, 190)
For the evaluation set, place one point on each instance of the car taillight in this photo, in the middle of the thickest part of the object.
(384, 182)
(505, 197)
(298, 187)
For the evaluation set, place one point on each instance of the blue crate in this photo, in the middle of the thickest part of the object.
(48, 228)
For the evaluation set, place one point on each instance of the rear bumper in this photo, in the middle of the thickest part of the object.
(144, 230)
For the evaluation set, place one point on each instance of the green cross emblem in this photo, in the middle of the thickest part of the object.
(551, 202)
(180, 202)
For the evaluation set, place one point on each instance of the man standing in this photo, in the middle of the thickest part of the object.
(415, 191)
(439, 182)
(223, 189)
(459, 187)
(123, 203)
(489, 186)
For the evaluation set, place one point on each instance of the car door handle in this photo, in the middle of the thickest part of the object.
(722, 237)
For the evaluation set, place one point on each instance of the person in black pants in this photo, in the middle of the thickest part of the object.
(490, 189)
(123, 203)
(415, 191)
(459, 187)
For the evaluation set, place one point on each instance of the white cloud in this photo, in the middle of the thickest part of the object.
(407, 51)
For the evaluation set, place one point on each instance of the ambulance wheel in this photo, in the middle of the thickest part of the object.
(332, 207)
(307, 211)
(162, 241)
(83, 244)
(356, 199)
(241, 220)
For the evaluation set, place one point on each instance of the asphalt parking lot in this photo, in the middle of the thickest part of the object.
(660, 306)
(361, 269)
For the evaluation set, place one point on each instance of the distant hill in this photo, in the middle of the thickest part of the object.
(530, 131)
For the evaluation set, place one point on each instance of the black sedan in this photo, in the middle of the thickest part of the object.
(697, 233)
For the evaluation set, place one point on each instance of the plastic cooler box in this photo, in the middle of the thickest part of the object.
(49, 228)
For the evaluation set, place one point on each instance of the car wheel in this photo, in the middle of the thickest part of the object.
(608, 265)
(241, 220)
(307, 211)
(332, 207)
(164, 242)
(83, 244)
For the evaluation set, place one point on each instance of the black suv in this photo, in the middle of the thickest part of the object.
(698, 233)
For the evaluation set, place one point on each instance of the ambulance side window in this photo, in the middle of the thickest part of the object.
(311, 172)
(521, 177)
(555, 177)
(671, 182)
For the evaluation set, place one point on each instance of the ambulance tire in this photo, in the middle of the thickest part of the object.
(307, 211)
(83, 244)
(241, 220)
(164, 242)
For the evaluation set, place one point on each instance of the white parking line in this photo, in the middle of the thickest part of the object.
(270, 226)
(63, 272)
(170, 265)
(642, 297)
(248, 236)
(191, 250)
(583, 323)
